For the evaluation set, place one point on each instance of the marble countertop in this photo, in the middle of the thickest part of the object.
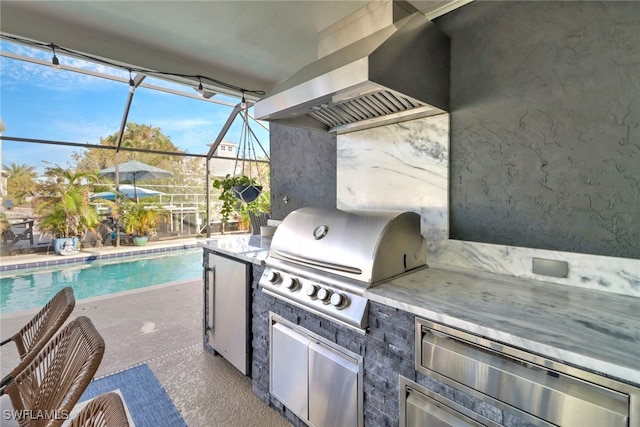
(595, 330)
(254, 249)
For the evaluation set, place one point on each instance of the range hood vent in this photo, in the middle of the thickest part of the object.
(399, 72)
(367, 107)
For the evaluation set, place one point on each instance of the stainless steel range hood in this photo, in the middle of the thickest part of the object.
(399, 72)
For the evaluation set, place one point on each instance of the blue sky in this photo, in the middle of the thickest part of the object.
(38, 102)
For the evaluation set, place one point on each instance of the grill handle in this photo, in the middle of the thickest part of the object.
(211, 273)
(318, 263)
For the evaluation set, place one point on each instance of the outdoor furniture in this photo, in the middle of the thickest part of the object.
(105, 231)
(54, 380)
(258, 220)
(106, 410)
(33, 336)
(9, 238)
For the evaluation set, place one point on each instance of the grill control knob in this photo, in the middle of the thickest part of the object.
(324, 295)
(290, 283)
(312, 291)
(272, 276)
(339, 300)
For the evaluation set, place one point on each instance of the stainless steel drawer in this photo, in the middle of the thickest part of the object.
(421, 407)
(546, 390)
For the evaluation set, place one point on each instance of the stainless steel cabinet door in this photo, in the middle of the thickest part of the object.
(333, 387)
(289, 364)
(227, 318)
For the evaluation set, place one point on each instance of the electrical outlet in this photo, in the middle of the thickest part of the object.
(550, 267)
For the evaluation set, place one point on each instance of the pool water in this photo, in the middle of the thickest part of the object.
(30, 288)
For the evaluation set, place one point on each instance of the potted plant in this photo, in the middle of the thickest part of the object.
(233, 188)
(140, 221)
(64, 210)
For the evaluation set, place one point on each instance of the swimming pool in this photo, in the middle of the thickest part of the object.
(33, 287)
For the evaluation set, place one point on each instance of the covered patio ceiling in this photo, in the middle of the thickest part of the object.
(247, 44)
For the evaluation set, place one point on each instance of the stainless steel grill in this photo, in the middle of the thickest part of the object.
(323, 260)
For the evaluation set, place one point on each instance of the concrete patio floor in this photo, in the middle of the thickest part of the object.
(162, 326)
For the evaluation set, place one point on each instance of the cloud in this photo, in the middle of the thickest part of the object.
(90, 132)
(43, 104)
(35, 154)
(16, 72)
(184, 124)
(41, 75)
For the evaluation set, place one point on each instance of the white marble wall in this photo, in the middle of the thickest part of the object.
(406, 167)
(398, 167)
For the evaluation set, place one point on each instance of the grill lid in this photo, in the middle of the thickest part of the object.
(367, 246)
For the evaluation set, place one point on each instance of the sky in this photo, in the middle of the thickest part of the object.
(39, 103)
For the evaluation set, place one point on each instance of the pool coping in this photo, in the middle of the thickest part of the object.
(19, 262)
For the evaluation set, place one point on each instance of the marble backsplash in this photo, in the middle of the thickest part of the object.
(398, 167)
(601, 273)
(405, 166)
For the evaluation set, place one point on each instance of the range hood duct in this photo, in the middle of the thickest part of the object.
(398, 73)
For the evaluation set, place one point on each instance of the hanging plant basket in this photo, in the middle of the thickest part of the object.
(241, 185)
(247, 193)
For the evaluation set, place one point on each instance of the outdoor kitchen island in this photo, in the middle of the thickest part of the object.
(597, 332)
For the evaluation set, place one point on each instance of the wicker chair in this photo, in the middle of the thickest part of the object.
(54, 380)
(257, 220)
(106, 410)
(34, 335)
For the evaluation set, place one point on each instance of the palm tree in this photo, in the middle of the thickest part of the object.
(19, 170)
(20, 182)
(64, 209)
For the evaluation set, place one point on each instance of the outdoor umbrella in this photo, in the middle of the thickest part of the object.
(133, 171)
(128, 190)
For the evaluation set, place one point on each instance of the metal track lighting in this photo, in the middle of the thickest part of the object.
(132, 85)
(243, 103)
(55, 63)
(200, 88)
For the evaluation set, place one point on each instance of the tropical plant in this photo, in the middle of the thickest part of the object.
(64, 210)
(140, 220)
(20, 182)
(229, 200)
(261, 204)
